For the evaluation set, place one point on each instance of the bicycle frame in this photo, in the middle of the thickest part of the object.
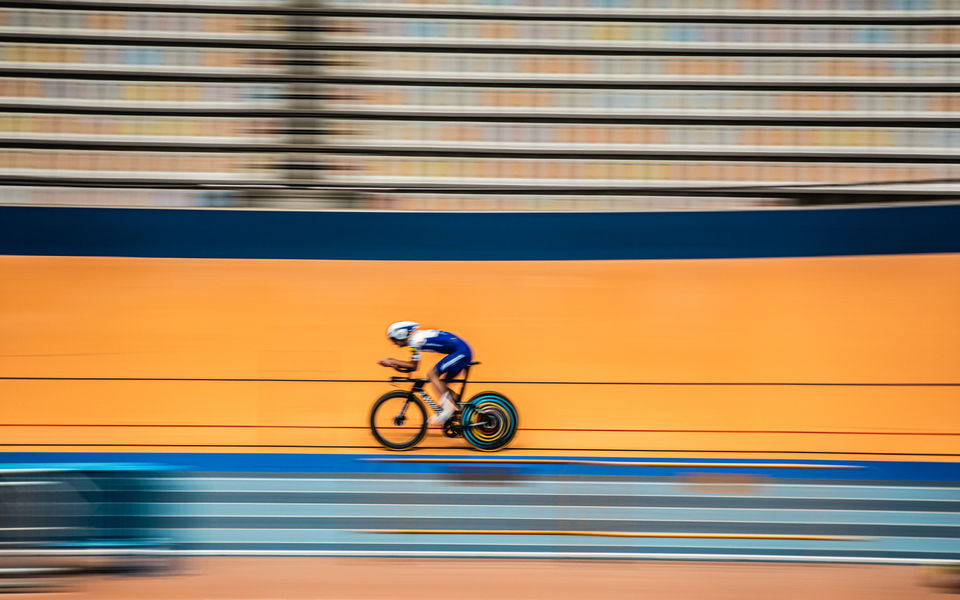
(420, 382)
(466, 376)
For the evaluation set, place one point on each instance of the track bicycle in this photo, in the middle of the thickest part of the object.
(398, 420)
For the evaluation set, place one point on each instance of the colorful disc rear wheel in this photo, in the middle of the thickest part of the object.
(489, 421)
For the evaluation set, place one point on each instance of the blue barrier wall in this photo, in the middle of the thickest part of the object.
(478, 236)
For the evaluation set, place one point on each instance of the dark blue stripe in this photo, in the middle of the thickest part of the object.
(517, 498)
(888, 471)
(477, 236)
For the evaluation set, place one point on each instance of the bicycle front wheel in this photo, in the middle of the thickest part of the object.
(398, 420)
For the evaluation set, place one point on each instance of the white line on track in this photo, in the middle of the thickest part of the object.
(571, 517)
(551, 493)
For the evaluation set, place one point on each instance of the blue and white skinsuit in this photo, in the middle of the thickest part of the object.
(458, 353)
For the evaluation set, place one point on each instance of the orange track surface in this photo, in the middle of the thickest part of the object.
(868, 320)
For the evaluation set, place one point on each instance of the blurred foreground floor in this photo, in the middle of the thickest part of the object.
(368, 578)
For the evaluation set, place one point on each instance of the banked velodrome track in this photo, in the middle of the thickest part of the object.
(791, 370)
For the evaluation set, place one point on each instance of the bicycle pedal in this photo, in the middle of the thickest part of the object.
(450, 430)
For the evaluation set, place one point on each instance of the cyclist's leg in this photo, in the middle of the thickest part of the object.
(448, 368)
(439, 382)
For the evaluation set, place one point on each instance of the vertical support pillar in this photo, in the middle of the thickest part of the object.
(304, 126)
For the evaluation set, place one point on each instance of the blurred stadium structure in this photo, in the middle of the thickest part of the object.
(59, 520)
(478, 104)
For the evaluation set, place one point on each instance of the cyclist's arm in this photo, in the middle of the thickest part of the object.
(403, 364)
(411, 364)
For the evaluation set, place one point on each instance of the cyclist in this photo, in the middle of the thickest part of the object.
(458, 356)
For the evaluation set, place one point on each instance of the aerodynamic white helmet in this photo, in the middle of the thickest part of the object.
(401, 330)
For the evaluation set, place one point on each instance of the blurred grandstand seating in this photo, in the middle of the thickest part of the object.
(479, 104)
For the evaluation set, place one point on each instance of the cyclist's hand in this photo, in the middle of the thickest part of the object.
(385, 362)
